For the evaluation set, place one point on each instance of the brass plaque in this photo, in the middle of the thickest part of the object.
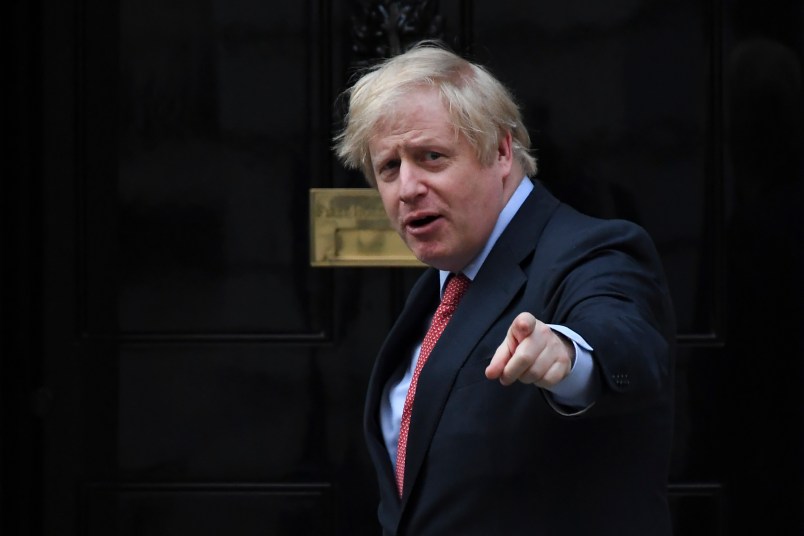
(348, 227)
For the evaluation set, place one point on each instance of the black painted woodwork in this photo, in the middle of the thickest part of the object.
(171, 364)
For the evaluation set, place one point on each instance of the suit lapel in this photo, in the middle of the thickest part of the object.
(495, 287)
(480, 307)
(396, 349)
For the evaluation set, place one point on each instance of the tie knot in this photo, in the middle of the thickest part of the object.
(455, 289)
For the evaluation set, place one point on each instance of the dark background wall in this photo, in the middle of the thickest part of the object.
(171, 364)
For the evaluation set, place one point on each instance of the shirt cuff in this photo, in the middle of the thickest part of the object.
(580, 388)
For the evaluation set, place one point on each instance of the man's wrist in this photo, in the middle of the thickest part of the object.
(569, 346)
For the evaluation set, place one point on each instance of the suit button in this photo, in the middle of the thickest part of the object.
(621, 379)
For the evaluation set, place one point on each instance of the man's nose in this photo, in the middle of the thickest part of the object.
(412, 184)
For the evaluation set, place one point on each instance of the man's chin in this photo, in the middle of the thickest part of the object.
(439, 262)
(434, 254)
(426, 258)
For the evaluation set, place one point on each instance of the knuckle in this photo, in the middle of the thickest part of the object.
(542, 329)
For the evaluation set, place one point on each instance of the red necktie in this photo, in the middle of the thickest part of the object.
(453, 292)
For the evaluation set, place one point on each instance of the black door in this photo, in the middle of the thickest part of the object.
(172, 364)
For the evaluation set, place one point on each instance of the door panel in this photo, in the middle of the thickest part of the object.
(208, 159)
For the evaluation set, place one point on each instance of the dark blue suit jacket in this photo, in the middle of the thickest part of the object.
(486, 459)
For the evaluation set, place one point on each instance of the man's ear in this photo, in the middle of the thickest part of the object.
(505, 153)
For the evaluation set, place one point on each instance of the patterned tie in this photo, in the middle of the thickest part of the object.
(453, 292)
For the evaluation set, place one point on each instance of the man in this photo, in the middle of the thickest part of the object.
(545, 404)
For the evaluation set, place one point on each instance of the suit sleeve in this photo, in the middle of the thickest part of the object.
(610, 288)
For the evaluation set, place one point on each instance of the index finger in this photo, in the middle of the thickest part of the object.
(501, 357)
(520, 328)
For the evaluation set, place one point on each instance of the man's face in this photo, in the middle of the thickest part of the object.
(439, 197)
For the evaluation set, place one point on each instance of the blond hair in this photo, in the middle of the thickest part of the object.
(481, 108)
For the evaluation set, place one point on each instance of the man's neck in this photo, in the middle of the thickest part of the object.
(512, 205)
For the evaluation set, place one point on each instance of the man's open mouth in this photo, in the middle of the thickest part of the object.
(421, 222)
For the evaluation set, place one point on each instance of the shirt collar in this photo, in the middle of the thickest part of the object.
(505, 217)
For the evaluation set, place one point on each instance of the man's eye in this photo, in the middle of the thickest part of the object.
(391, 164)
(432, 155)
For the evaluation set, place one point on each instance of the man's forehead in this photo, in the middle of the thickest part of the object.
(416, 119)
(390, 138)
